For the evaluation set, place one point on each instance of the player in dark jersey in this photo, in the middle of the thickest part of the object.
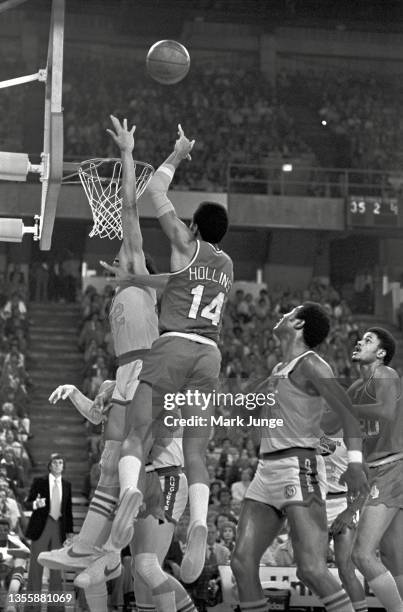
(376, 398)
(185, 359)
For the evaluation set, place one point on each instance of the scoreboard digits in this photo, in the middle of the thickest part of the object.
(375, 212)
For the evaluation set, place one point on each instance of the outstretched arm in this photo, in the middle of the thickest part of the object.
(131, 255)
(178, 233)
(156, 281)
(93, 411)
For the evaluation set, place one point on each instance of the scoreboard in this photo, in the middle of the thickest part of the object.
(373, 212)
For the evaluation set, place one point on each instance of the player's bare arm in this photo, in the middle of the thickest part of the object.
(388, 391)
(131, 255)
(155, 281)
(180, 236)
(93, 411)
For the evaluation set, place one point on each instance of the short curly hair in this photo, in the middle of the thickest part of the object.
(317, 323)
(386, 342)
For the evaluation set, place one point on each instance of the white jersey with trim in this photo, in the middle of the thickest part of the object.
(133, 319)
(336, 464)
(300, 412)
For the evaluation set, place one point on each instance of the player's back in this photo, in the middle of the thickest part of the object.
(194, 298)
(133, 318)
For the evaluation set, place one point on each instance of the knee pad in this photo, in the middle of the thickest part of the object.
(149, 569)
(110, 461)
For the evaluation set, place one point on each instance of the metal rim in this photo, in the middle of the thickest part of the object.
(74, 177)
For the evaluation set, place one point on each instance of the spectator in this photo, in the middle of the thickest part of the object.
(52, 520)
(239, 488)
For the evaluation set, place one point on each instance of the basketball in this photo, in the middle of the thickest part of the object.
(168, 62)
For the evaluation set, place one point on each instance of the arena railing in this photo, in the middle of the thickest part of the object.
(291, 179)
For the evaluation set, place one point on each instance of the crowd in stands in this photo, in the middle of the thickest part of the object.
(362, 107)
(233, 113)
(15, 387)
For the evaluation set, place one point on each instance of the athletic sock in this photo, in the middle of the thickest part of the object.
(338, 602)
(97, 597)
(96, 526)
(385, 589)
(186, 605)
(199, 494)
(129, 472)
(164, 602)
(360, 606)
(261, 605)
(145, 607)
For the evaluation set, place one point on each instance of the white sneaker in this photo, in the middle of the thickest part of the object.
(66, 557)
(195, 554)
(105, 568)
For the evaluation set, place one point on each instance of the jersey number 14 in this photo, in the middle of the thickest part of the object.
(212, 311)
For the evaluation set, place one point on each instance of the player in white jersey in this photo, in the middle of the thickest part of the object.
(152, 538)
(290, 480)
(134, 325)
(341, 511)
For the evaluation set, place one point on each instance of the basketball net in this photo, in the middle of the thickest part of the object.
(101, 180)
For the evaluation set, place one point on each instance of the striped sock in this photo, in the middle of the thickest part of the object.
(164, 602)
(97, 520)
(360, 606)
(338, 602)
(261, 605)
(141, 607)
(186, 605)
(384, 587)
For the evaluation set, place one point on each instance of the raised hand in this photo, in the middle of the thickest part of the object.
(183, 145)
(123, 137)
(61, 393)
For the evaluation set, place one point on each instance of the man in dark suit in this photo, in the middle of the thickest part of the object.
(51, 521)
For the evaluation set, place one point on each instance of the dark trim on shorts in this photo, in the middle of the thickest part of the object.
(296, 451)
(119, 402)
(336, 495)
(171, 487)
(130, 356)
(171, 470)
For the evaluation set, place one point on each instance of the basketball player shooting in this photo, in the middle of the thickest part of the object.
(184, 359)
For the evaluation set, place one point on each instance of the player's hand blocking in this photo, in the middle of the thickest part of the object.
(123, 137)
(356, 479)
(183, 145)
(61, 393)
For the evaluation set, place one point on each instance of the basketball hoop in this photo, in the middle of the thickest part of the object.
(101, 180)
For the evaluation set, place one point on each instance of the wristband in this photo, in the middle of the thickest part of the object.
(158, 187)
(354, 456)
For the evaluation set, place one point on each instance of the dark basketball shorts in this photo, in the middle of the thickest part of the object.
(176, 364)
(165, 494)
(386, 482)
(295, 476)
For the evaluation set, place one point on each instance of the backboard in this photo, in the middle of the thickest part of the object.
(53, 126)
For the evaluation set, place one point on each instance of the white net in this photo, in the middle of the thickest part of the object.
(101, 179)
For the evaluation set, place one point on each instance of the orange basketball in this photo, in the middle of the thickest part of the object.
(168, 62)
